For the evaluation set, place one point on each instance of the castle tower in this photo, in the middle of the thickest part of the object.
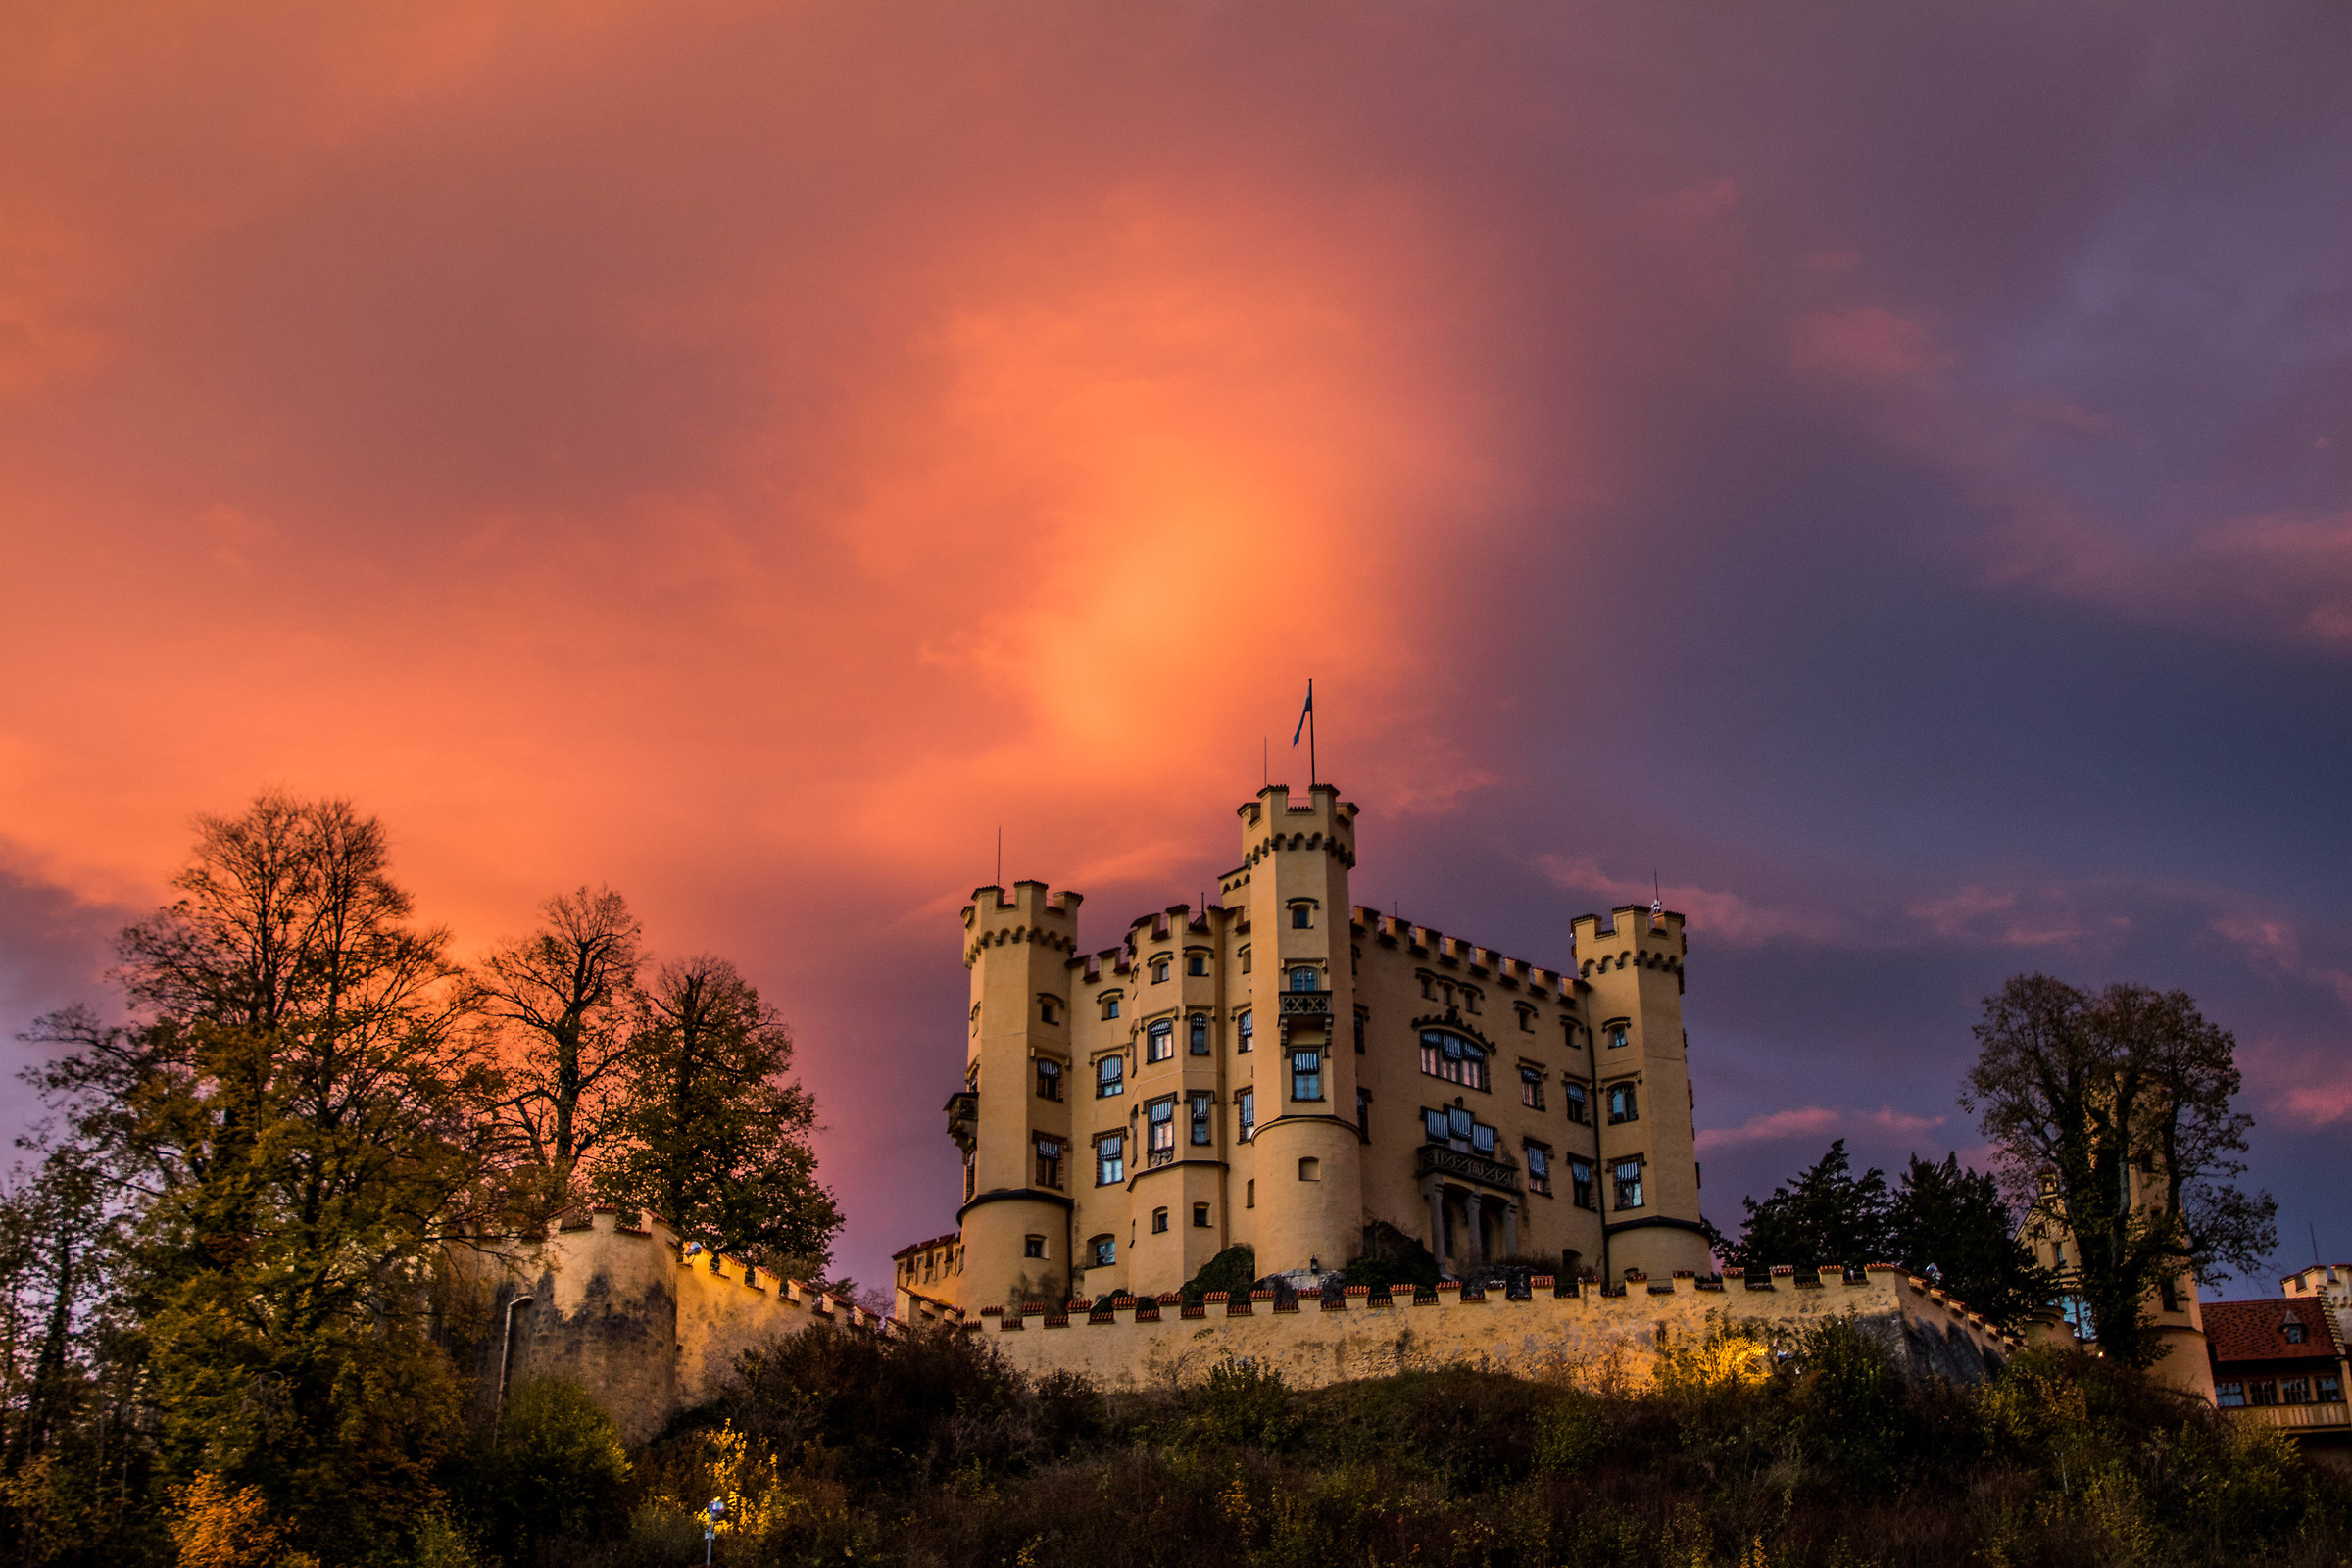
(1634, 965)
(1012, 1117)
(1307, 1152)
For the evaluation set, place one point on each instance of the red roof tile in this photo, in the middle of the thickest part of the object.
(2256, 1331)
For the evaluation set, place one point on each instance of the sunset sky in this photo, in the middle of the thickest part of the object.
(1885, 470)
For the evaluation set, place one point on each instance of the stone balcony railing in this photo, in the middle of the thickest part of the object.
(1435, 1160)
(1305, 1004)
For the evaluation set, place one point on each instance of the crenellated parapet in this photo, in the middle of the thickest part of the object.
(1629, 938)
(1273, 822)
(1318, 1338)
(1029, 914)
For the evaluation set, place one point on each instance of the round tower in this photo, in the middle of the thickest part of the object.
(1649, 1166)
(1309, 1156)
(1012, 1115)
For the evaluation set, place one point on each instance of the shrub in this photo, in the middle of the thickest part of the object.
(1233, 1269)
(1243, 1403)
(553, 1472)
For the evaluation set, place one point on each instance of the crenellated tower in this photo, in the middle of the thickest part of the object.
(1012, 1116)
(1632, 962)
(1295, 858)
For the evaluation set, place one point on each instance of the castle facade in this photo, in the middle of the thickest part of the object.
(1284, 1070)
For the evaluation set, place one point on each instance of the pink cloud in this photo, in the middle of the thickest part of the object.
(1814, 1121)
(1865, 343)
(1726, 917)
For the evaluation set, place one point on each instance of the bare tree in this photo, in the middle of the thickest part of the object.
(567, 993)
(2122, 1100)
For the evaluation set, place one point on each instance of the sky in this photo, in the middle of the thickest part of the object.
(1884, 473)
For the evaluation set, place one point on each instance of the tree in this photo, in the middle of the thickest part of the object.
(716, 1135)
(1827, 1217)
(297, 1130)
(1950, 1224)
(2121, 1099)
(566, 993)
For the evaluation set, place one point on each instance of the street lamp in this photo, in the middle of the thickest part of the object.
(711, 1518)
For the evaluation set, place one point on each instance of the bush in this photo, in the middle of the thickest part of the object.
(1233, 1269)
(556, 1471)
(1242, 1404)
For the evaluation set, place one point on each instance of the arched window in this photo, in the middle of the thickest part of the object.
(1451, 1057)
(1306, 1074)
(1244, 1033)
(1111, 1077)
(1302, 978)
(1159, 1041)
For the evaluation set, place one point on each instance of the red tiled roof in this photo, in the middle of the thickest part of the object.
(935, 1240)
(2256, 1331)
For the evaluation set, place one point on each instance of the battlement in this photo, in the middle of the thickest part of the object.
(1628, 937)
(1273, 822)
(1130, 1342)
(1028, 914)
(1483, 963)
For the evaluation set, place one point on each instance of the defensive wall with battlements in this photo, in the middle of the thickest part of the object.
(650, 1326)
(1556, 1331)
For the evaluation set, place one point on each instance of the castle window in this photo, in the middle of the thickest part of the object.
(1033, 1247)
(1048, 1163)
(1360, 1033)
(1428, 993)
(1199, 1034)
(1048, 1010)
(1111, 1007)
(1302, 978)
(1580, 1183)
(1311, 1169)
(1250, 1195)
(1527, 1019)
(1245, 1116)
(1539, 1169)
(1363, 1114)
(1580, 1103)
(1049, 1078)
(2230, 1395)
(2295, 1331)
(1628, 1175)
(1199, 1216)
(1307, 1075)
(1160, 969)
(1160, 1131)
(1105, 1251)
(971, 1178)
(1622, 1105)
(1303, 916)
(2331, 1388)
(1111, 1077)
(1159, 1041)
(2263, 1391)
(1482, 1140)
(1530, 1085)
(1197, 1109)
(1160, 1222)
(1451, 1057)
(1111, 1159)
(1614, 1034)
(1196, 963)
(2294, 1390)
(1245, 1034)
(1245, 961)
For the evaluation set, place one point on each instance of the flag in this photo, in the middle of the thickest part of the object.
(1303, 712)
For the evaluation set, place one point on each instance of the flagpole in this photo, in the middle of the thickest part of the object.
(1311, 775)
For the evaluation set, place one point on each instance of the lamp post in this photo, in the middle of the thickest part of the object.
(711, 1518)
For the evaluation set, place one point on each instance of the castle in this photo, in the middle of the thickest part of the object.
(1284, 1070)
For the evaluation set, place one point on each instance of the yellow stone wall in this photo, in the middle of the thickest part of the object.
(1583, 1333)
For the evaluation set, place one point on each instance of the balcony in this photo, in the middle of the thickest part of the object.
(1435, 1160)
(1305, 1004)
(2296, 1417)
(963, 1119)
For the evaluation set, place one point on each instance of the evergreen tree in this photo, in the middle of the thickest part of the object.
(1827, 1217)
(1950, 1224)
(717, 1137)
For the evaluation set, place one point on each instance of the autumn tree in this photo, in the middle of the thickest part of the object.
(297, 1127)
(565, 994)
(2122, 1100)
(715, 1135)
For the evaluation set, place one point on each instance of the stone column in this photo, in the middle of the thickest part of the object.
(1435, 1192)
(1510, 1230)
(1471, 1209)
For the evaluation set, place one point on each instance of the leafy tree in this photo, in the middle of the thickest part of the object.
(297, 1130)
(553, 1472)
(1950, 1224)
(565, 994)
(1827, 1217)
(718, 1136)
(2122, 1097)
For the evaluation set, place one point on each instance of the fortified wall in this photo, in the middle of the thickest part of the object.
(1556, 1330)
(650, 1326)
